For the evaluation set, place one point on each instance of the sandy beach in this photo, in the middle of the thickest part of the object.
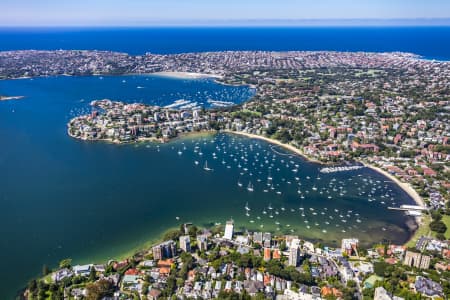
(187, 75)
(275, 142)
(405, 186)
(412, 193)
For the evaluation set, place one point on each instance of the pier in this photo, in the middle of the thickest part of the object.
(411, 210)
(340, 169)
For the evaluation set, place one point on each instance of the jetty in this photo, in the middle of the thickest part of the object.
(327, 170)
(411, 210)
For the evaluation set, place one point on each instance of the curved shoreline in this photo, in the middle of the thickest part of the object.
(407, 188)
(403, 185)
(275, 142)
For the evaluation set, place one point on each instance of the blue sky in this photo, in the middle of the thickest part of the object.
(161, 12)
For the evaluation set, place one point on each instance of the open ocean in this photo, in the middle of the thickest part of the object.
(429, 42)
(61, 197)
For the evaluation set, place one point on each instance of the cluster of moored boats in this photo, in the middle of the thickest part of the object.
(299, 197)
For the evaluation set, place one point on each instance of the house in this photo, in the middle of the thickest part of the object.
(100, 268)
(120, 264)
(267, 254)
(364, 268)
(78, 293)
(132, 272)
(428, 287)
(228, 286)
(148, 263)
(291, 295)
(253, 287)
(381, 294)
(276, 254)
(153, 294)
(258, 238)
(327, 291)
(61, 274)
(83, 270)
(130, 279)
(350, 246)
(429, 172)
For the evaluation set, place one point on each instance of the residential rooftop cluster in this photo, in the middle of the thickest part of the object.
(120, 122)
(194, 263)
(27, 63)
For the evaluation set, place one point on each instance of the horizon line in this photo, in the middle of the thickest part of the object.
(350, 22)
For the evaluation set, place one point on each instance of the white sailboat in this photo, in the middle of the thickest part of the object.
(250, 187)
(205, 167)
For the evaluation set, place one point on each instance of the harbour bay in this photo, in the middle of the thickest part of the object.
(93, 201)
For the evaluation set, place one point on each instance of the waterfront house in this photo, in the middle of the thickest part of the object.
(82, 270)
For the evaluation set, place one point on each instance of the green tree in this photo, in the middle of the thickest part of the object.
(380, 268)
(171, 285)
(98, 290)
(441, 236)
(32, 286)
(351, 284)
(65, 263)
(45, 270)
(93, 274)
(193, 231)
(283, 246)
(438, 226)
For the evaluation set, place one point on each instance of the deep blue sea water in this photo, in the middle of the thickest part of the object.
(429, 42)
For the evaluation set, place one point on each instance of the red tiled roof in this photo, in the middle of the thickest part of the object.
(132, 272)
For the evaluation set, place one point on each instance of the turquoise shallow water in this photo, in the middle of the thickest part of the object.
(61, 197)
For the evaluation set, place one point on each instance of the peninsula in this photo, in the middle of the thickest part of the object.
(389, 111)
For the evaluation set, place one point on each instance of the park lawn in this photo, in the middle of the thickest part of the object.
(446, 220)
(423, 230)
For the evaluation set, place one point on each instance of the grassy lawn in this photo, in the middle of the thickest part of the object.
(423, 230)
(446, 220)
